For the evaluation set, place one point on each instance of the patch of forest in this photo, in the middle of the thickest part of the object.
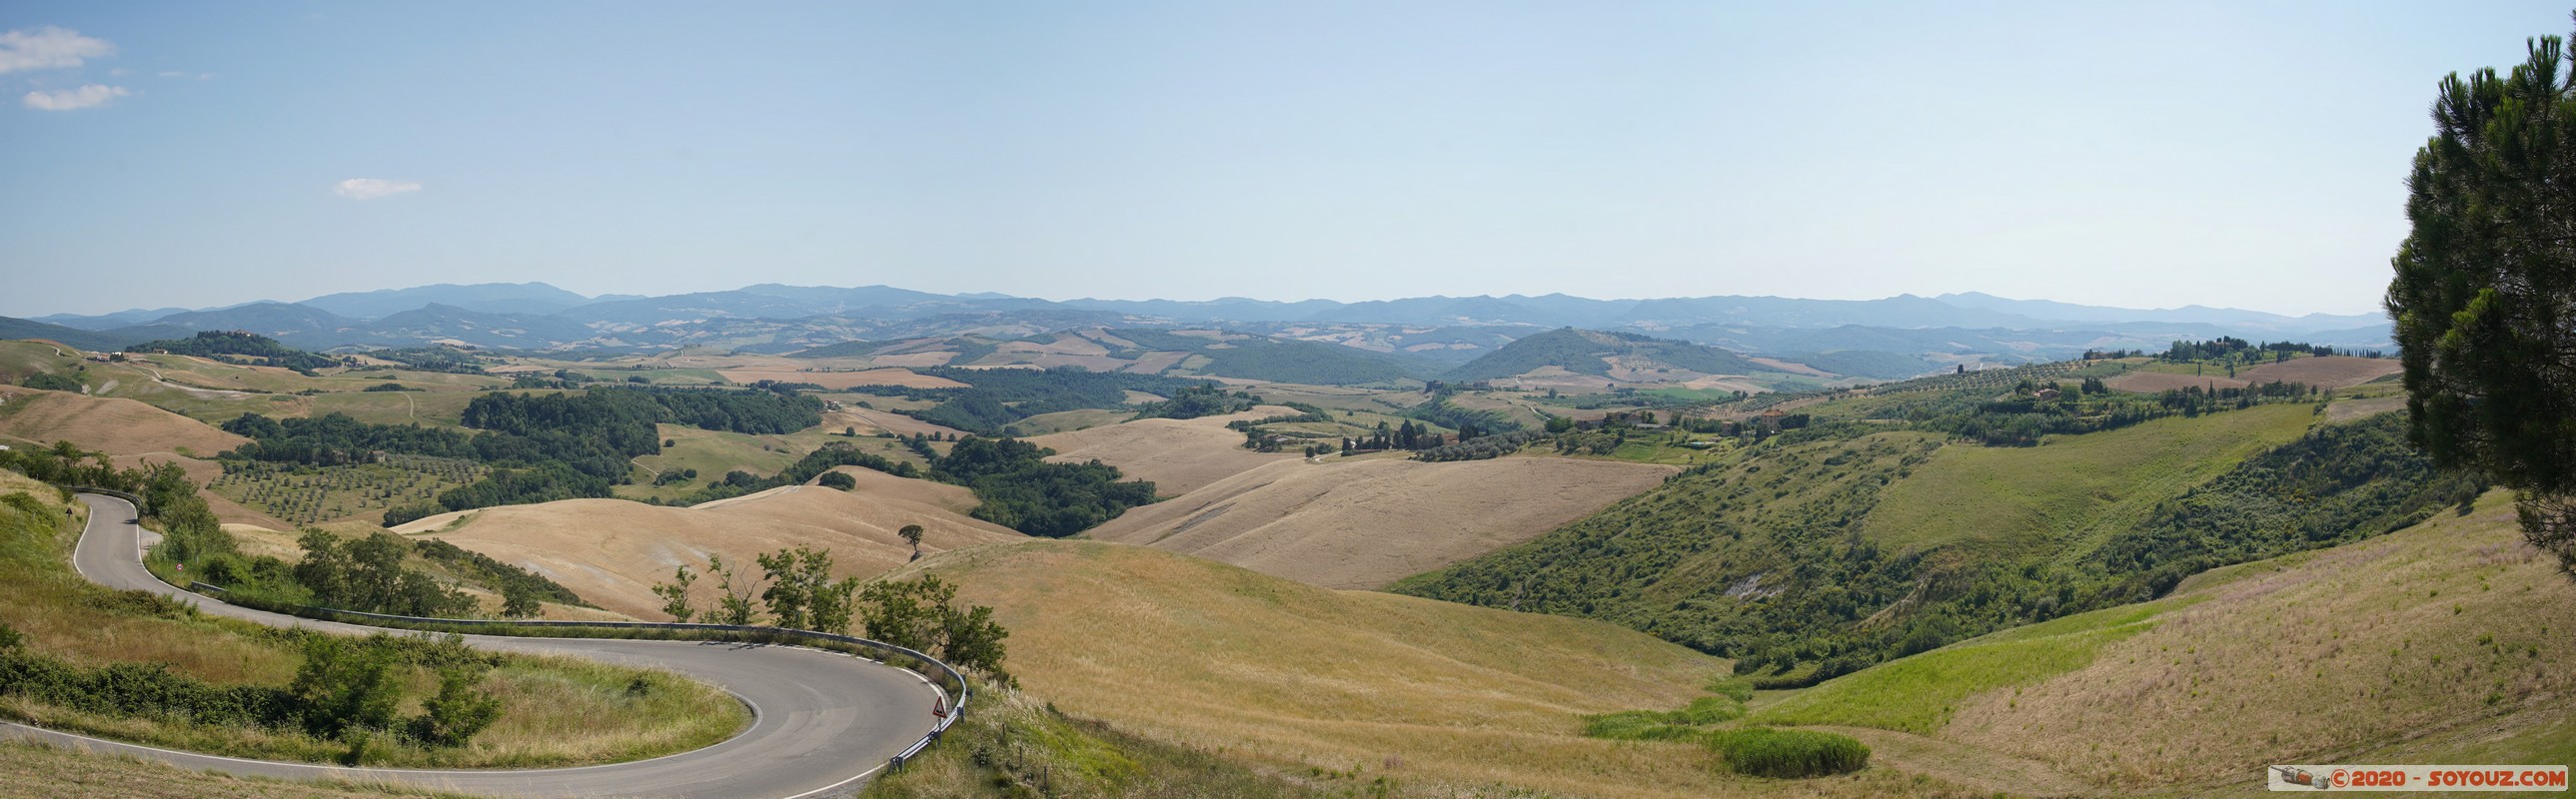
(1762, 557)
(542, 447)
(996, 399)
(234, 346)
(1014, 485)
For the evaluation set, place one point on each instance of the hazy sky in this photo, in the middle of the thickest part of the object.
(2148, 154)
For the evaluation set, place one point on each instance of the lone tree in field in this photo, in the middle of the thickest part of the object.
(2485, 292)
(912, 535)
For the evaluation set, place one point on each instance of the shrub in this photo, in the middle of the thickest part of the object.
(346, 686)
(50, 382)
(1789, 754)
(458, 711)
(840, 480)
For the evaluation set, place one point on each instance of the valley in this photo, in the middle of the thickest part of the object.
(1876, 560)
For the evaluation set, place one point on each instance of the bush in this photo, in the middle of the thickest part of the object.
(458, 712)
(840, 480)
(51, 382)
(1789, 754)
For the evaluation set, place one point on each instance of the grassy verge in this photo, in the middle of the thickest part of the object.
(1015, 747)
(34, 770)
(555, 711)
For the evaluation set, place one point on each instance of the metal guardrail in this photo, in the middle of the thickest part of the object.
(954, 710)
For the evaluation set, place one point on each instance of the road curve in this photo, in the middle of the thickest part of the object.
(822, 722)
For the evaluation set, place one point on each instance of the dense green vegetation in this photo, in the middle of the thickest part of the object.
(1587, 351)
(543, 447)
(1192, 403)
(1789, 754)
(432, 359)
(2485, 289)
(2339, 484)
(188, 527)
(1766, 555)
(235, 346)
(1440, 411)
(513, 583)
(1756, 751)
(2032, 410)
(1019, 489)
(994, 399)
(348, 690)
(1015, 486)
(49, 381)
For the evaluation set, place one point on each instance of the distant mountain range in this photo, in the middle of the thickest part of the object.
(1890, 334)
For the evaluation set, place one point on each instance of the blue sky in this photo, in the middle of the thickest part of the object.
(2148, 154)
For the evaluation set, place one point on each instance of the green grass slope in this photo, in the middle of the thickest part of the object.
(2444, 642)
(1808, 559)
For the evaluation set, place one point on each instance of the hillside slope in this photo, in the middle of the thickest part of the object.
(1344, 523)
(1178, 455)
(1617, 356)
(612, 551)
(1812, 558)
(2443, 642)
(105, 424)
(1428, 694)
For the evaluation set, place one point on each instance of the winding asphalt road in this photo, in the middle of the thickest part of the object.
(823, 722)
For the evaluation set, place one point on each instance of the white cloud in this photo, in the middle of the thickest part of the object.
(48, 47)
(372, 188)
(90, 96)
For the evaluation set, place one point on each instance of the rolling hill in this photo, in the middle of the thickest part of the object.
(105, 424)
(612, 551)
(492, 298)
(1344, 523)
(15, 328)
(1422, 694)
(1853, 542)
(1178, 455)
(1625, 357)
(2424, 645)
(1186, 353)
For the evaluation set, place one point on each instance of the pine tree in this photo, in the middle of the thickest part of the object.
(2485, 288)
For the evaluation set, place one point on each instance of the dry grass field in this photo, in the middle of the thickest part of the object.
(115, 426)
(2432, 632)
(2333, 371)
(612, 552)
(1179, 455)
(35, 771)
(1361, 523)
(2444, 642)
(1442, 699)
